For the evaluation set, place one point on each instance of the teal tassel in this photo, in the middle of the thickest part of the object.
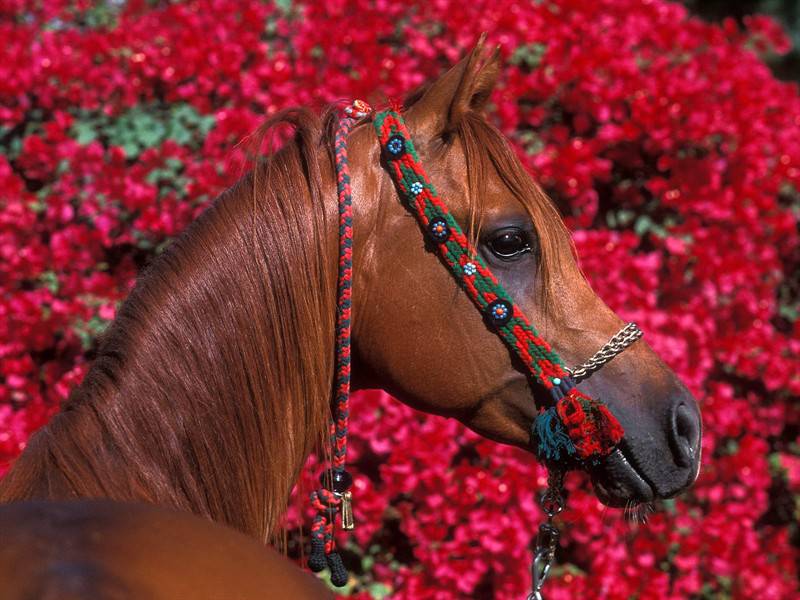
(552, 438)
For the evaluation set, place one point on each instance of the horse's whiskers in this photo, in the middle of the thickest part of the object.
(638, 513)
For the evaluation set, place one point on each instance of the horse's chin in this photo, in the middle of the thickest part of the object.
(617, 483)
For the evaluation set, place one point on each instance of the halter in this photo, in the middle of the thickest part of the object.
(575, 430)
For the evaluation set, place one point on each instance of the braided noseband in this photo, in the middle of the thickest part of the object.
(575, 429)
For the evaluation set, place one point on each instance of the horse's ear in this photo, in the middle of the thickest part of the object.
(464, 88)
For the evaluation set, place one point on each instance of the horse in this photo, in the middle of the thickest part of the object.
(213, 384)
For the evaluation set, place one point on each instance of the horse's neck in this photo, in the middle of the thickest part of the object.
(212, 385)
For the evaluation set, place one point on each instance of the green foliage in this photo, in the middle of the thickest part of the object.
(89, 331)
(529, 56)
(144, 126)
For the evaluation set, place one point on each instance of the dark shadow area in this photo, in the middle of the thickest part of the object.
(786, 12)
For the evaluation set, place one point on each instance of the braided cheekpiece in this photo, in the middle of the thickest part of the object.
(577, 426)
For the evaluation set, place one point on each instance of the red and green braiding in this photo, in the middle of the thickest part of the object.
(345, 284)
(577, 426)
(327, 500)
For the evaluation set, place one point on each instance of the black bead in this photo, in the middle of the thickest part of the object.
(395, 147)
(499, 317)
(336, 480)
(439, 230)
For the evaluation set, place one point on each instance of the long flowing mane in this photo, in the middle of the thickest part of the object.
(212, 385)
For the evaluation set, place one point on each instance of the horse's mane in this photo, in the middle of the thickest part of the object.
(213, 383)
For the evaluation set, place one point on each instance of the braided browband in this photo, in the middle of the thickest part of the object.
(577, 426)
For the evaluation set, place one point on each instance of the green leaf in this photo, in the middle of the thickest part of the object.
(84, 132)
(49, 280)
(529, 55)
(143, 126)
(379, 591)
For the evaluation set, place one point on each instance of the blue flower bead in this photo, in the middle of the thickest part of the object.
(470, 268)
(416, 188)
(396, 147)
(439, 230)
(499, 312)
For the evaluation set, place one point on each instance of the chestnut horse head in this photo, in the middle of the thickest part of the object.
(420, 338)
(213, 384)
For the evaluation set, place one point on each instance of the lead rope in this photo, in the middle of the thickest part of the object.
(334, 497)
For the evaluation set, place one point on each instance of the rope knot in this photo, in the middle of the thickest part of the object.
(577, 425)
(358, 109)
(326, 503)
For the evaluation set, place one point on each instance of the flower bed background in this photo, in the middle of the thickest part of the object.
(670, 148)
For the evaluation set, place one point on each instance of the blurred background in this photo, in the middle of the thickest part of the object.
(667, 134)
(785, 65)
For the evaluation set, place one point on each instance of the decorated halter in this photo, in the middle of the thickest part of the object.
(576, 426)
(576, 429)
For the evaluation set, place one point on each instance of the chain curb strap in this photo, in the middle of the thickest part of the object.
(544, 556)
(616, 345)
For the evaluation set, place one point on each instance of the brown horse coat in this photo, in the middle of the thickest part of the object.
(101, 550)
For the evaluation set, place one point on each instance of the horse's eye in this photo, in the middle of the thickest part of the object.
(510, 243)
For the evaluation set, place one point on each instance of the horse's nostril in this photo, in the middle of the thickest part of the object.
(685, 434)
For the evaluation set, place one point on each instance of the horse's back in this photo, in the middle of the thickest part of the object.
(102, 550)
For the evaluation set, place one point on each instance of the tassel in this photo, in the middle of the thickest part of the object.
(577, 426)
(552, 438)
(594, 431)
(316, 560)
(339, 575)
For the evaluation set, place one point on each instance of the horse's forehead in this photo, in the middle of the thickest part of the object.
(449, 171)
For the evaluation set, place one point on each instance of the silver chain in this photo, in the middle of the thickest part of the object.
(551, 503)
(624, 338)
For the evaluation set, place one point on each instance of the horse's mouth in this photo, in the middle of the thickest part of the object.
(618, 483)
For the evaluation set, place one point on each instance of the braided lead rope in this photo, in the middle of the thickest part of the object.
(616, 345)
(334, 496)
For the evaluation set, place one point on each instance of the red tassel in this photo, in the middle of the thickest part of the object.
(590, 425)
